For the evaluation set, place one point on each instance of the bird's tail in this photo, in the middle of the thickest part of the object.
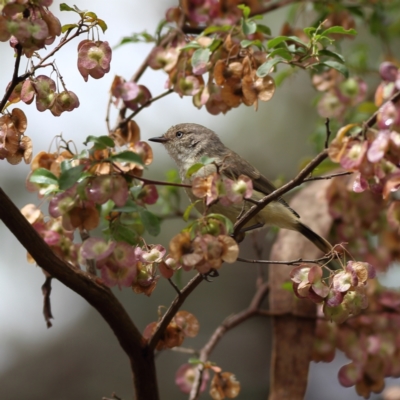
(319, 241)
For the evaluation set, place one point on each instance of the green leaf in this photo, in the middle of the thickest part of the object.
(338, 66)
(193, 169)
(340, 30)
(247, 43)
(70, 176)
(214, 28)
(130, 206)
(328, 53)
(68, 27)
(127, 156)
(246, 10)
(263, 29)
(43, 176)
(309, 31)
(228, 223)
(66, 7)
(193, 360)
(189, 209)
(281, 52)
(90, 14)
(207, 160)
(248, 26)
(215, 44)
(265, 68)
(102, 24)
(191, 45)
(136, 38)
(200, 57)
(124, 233)
(101, 142)
(367, 107)
(150, 222)
(279, 39)
(275, 41)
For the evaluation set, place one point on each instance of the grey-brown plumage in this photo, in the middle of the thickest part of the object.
(187, 143)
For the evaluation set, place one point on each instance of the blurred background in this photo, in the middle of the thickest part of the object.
(79, 358)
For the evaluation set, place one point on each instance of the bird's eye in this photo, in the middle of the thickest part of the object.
(179, 134)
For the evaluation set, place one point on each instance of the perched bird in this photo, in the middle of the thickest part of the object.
(188, 143)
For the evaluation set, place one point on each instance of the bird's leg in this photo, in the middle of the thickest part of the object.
(212, 273)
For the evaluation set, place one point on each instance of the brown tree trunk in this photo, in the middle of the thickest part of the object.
(293, 333)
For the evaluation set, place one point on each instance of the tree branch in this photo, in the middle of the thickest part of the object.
(318, 178)
(15, 80)
(173, 309)
(99, 296)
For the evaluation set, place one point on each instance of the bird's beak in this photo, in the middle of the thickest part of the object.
(159, 139)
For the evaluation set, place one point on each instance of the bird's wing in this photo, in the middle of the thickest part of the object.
(233, 165)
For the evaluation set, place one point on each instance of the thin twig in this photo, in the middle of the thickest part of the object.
(142, 68)
(134, 113)
(175, 287)
(291, 262)
(371, 121)
(160, 183)
(328, 133)
(318, 178)
(15, 80)
(173, 309)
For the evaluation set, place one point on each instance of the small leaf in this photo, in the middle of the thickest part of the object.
(340, 30)
(150, 222)
(228, 223)
(248, 26)
(188, 210)
(328, 53)
(101, 142)
(69, 177)
(212, 29)
(90, 14)
(275, 41)
(265, 68)
(127, 156)
(125, 234)
(43, 176)
(130, 206)
(191, 45)
(68, 27)
(263, 29)
(338, 66)
(215, 44)
(247, 43)
(193, 169)
(200, 56)
(102, 24)
(66, 7)
(309, 31)
(281, 52)
(246, 10)
(205, 160)
(279, 39)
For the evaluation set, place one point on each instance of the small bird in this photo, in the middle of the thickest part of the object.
(187, 143)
